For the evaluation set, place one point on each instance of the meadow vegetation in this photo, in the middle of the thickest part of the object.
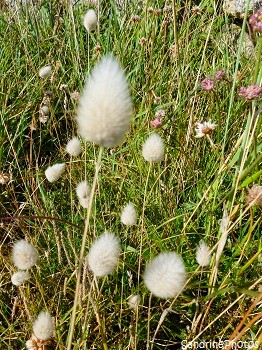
(200, 190)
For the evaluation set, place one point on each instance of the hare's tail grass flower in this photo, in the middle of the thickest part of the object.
(134, 301)
(24, 255)
(153, 149)
(105, 106)
(43, 326)
(54, 172)
(165, 276)
(45, 72)
(104, 253)
(128, 215)
(90, 20)
(74, 147)
(83, 191)
(203, 254)
(20, 277)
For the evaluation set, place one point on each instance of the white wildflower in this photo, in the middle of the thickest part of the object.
(165, 275)
(45, 72)
(43, 326)
(24, 255)
(134, 301)
(203, 254)
(153, 149)
(54, 172)
(83, 191)
(20, 277)
(105, 105)
(204, 128)
(74, 147)
(104, 253)
(90, 20)
(128, 215)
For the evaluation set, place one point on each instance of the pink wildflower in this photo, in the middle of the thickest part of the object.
(251, 92)
(156, 123)
(256, 21)
(220, 75)
(208, 84)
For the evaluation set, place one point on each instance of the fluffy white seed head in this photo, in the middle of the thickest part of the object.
(104, 253)
(54, 172)
(134, 301)
(20, 277)
(165, 275)
(90, 20)
(83, 191)
(153, 149)
(105, 106)
(128, 215)
(24, 255)
(203, 254)
(45, 72)
(43, 326)
(74, 147)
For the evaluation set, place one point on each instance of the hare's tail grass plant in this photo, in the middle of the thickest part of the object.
(103, 117)
(174, 194)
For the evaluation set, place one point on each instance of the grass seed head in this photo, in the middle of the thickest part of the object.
(165, 275)
(43, 326)
(104, 253)
(128, 215)
(153, 149)
(90, 20)
(54, 172)
(203, 254)
(105, 106)
(45, 72)
(134, 301)
(83, 191)
(74, 147)
(24, 255)
(20, 277)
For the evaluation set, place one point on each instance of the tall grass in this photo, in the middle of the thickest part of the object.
(179, 201)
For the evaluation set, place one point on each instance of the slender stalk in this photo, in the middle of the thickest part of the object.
(80, 266)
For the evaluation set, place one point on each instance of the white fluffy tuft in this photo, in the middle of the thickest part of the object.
(54, 172)
(134, 301)
(43, 326)
(104, 253)
(153, 149)
(203, 254)
(20, 277)
(45, 72)
(90, 20)
(83, 191)
(165, 275)
(24, 255)
(128, 215)
(105, 106)
(74, 147)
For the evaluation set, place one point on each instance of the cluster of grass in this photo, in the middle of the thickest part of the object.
(179, 201)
